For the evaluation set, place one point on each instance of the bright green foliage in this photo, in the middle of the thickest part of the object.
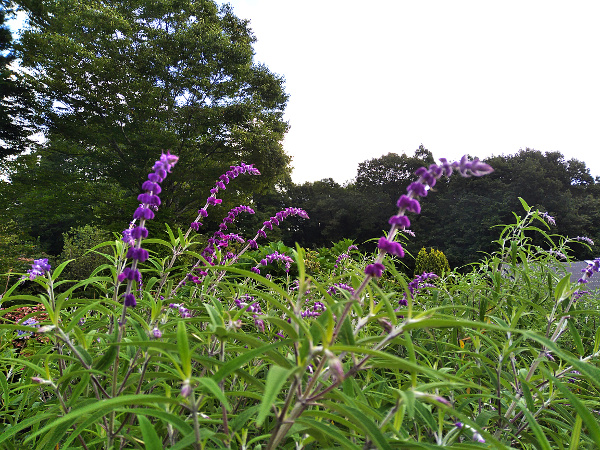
(17, 252)
(433, 262)
(234, 359)
(77, 244)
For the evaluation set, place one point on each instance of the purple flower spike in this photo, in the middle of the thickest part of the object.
(195, 226)
(133, 236)
(139, 233)
(143, 213)
(375, 269)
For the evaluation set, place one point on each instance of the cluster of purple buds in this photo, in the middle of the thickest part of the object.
(252, 307)
(408, 203)
(183, 311)
(585, 239)
(281, 215)
(31, 322)
(418, 283)
(592, 267)
(277, 257)
(221, 184)
(39, 268)
(558, 254)
(339, 287)
(149, 201)
(548, 218)
(315, 311)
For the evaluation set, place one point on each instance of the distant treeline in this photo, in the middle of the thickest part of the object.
(460, 217)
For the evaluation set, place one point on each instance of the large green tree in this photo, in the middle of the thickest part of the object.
(123, 80)
(15, 97)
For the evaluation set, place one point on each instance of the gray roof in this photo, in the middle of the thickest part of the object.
(575, 269)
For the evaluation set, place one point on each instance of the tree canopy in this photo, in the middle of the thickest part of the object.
(16, 98)
(119, 81)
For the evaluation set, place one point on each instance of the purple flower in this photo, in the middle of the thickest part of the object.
(31, 322)
(409, 204)
(129, 300)
(400, 221)
(39, 268)
(127, 237)
(393, 248)
(375, 269)
(417, 188)
(213, 201)
(338, 287)
(548, 218)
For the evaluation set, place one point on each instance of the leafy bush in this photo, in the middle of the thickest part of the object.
(433, 262)
(213, 353)
(77, 244)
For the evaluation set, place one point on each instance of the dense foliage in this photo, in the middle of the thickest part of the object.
(235, 345)
(117, 82)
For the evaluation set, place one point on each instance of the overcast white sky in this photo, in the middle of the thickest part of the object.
(478, 77)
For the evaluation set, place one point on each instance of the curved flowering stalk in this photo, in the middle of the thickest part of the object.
(221, 184)
(268, 225)
(149, 201)
(212, 200)
(418, 283)
(409, 203)
(252, 244)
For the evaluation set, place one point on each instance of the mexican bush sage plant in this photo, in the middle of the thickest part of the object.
(208, 352)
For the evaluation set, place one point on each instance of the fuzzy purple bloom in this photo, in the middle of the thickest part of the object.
(400, 221)
(39, 268)
(393, 248)
(409, 204)
(417, 188)
(129, 300)
(375, 269)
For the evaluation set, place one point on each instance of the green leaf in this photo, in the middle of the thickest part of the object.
(526, 207)
(576, 433)
(562, 290)
(329, 430)
(212, 387)
(242, 359)
(275, 380)
(541, 439)
(56, 272)
(576, 337)
(106, 405)
(151, 439)
(184, 349)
